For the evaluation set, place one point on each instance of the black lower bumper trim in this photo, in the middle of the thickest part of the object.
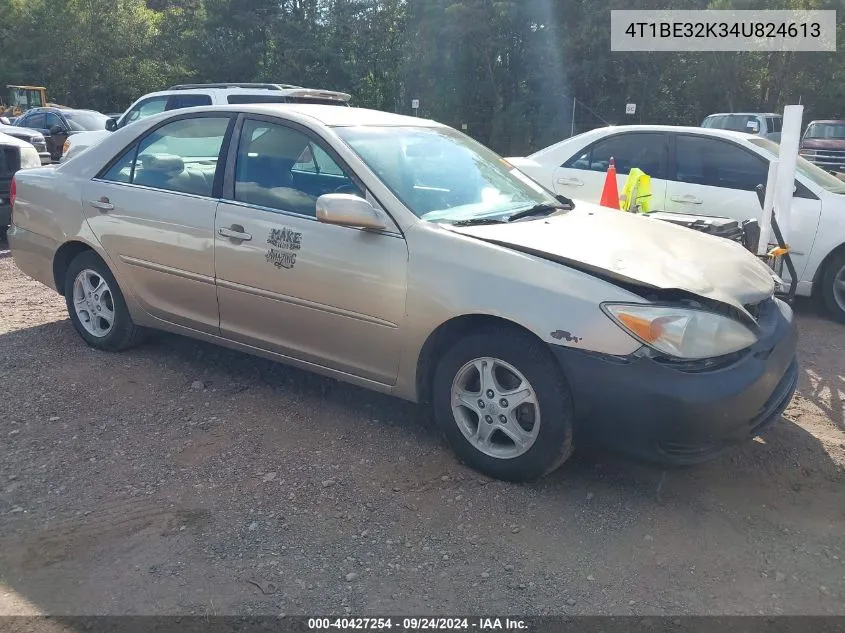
(670, 416)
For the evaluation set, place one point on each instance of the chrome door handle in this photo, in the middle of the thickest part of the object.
(102, 204)
(235, 234)
(688, 199)
(570, 181)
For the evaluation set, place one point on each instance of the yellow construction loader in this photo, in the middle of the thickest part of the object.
(19, 99)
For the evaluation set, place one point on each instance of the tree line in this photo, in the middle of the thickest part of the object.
(519, 74)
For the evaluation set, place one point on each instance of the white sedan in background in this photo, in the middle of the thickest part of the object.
(713, 173)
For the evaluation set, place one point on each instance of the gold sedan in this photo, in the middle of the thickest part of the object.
(402, 256)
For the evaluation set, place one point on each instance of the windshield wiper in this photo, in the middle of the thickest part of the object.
(477, 222)
(540, 210)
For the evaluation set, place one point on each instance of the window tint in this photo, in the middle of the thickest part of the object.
(265, 174)
(775, 123)
(717, 163)
(176, 102)
(121, 171)
(644, 151)
(263, 98)
(181, 156)
(154, 105)
(51, 119)
(34, 121)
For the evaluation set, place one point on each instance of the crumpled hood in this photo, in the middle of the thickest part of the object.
(640, 250)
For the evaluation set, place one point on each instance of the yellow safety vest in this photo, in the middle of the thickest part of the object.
(637, 192)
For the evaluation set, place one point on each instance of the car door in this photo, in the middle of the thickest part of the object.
(582, 176)
(153, 207)
(329, 295)
(717, 177)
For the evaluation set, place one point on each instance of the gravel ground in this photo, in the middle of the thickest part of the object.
(184, 478)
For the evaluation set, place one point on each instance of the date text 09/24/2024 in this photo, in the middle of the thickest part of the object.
(417, 624)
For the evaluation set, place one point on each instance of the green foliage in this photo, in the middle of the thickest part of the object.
(507, 69)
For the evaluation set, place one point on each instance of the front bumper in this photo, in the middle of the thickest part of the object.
(673, 416)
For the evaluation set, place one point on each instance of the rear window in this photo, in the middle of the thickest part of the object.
(10, 160)
(176, 102)
(775, 123)
(734, 122)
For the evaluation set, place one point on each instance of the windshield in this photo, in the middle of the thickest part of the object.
(804, 167)
(86, 121)
(825, 130)
(442, 175)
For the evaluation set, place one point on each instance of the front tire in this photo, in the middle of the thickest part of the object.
(96, 305)
(833, 287)
(503, 404)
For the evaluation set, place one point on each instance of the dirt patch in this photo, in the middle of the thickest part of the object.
(184, 478)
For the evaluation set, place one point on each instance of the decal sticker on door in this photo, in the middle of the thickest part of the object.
(284, 244)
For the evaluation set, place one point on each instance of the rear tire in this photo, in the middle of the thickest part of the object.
(516, 425)
(833, 287)
(96, 305)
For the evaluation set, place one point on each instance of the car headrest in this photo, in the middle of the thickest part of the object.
(162, 162)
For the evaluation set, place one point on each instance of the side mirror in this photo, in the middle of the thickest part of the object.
(56, 130)
(345, 209)
(5, 121)
(111, 124)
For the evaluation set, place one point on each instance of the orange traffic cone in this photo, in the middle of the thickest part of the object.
(610, 193)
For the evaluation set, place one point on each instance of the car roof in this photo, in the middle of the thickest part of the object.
(705, 131)
(827, 121)
(63, 110)
(329, 115)
(744, 114)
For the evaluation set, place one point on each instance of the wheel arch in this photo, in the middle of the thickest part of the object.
(64, 256)
(445, 335)
(817, 276)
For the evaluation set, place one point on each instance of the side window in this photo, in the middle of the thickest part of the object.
(151, 106)
(281, 168)
(181, 156)
(717, 163)
(121, 171)
(175, 102)
(646, 151)
(51, 119)
(34, 121)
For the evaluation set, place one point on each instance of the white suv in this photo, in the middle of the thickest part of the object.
(190, 95)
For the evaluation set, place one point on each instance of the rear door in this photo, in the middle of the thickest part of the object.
(582, 176)
(716, 177)
(152, 208)
(329, 295)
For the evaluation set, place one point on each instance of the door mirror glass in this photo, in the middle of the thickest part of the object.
(111, 125)
(56, 130)
(346, 209)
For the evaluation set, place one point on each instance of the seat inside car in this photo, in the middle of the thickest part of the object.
(167, 171)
